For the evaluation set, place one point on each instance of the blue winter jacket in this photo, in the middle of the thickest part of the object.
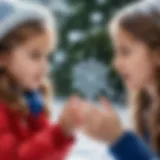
(131, 147)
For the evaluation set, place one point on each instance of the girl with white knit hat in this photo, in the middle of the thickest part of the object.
(27, 36)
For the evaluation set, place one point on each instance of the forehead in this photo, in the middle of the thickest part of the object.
(121, 35)
(123, 38)
(43, 42)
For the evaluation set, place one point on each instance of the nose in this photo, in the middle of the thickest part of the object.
(44, 67)
(117, 64)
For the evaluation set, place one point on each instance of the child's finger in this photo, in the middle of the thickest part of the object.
(82, 110)
(105, 103)
(86, 106)
(93, 122)
(79, 108)
(93, 117)
(73, 101)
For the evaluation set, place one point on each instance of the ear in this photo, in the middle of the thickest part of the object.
(3, 60)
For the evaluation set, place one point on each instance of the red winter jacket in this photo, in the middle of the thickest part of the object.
(31, 138)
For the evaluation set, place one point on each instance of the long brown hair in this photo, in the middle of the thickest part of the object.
(142, 20)
(8, 86)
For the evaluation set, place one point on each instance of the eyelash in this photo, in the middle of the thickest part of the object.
(35, 55)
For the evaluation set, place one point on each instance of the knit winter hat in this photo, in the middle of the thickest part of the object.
(14, 13)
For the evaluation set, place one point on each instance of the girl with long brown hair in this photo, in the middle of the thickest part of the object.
(27, 37)
(135, 32)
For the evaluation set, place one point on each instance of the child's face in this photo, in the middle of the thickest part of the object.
(132, 60)
(28, 63)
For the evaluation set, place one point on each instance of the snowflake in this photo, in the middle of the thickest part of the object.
(89, 77)
(96, 17)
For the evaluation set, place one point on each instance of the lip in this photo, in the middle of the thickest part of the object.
(38, 78)
(125, 76)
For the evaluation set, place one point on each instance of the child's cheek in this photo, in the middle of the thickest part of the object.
(31, 84)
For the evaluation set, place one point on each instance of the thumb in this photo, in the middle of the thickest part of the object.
(106, 103)
(74, 101)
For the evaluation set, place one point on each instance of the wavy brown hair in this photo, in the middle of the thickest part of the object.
(8, 87)
(142, 20)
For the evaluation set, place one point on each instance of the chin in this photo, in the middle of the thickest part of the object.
(33, 87)
(133, 86)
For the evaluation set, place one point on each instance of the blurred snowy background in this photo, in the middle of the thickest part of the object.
(82, 62)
